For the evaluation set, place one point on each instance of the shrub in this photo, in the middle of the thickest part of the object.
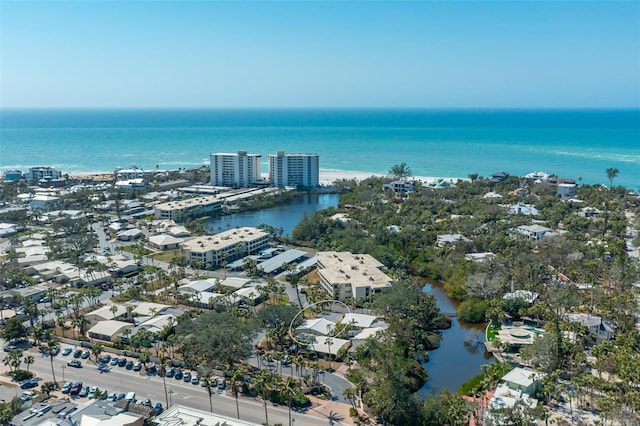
(473, 310)
(21, 375)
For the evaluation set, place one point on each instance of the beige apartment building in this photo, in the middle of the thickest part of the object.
(226, 246)
(344, 275)
(182, 209)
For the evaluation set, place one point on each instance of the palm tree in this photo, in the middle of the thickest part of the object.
(48, 387)
(52, 346)
(289, 388)
(237, 379)
(29, 359)
(162, 371)
(207, 377)
(612, 173)
(263, 380)
(96, 349)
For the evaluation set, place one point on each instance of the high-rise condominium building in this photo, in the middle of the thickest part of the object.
(238, 170)
(294, 169)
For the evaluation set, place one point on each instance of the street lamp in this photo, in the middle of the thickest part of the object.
(63, 367)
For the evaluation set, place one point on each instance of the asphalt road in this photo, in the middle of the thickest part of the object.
(151, 387)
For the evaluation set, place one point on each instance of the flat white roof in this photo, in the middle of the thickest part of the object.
(359, 320)
(320, 344)
(522, 376)
(360, 270)
(200, 285)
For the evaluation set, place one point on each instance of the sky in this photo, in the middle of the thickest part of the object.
(319, 54)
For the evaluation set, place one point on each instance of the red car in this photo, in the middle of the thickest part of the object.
(75, 388)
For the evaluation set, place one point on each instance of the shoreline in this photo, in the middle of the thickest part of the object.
(326, 178)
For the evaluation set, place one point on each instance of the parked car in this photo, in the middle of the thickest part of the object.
(120, 396)
(10, 348)
(137, 366)
(28, 384)
(75, 388)
(105, 359)
(122, 362)
(92, 392)
(74, 363)
(170, 372)
(66, 351)
(147, 402)
(222, 384)
(28, 395)
(66, 387)
(112, 396)
(85, 354)
(77, 353)
(187, 377)
(178, 375)
(195, 379)
(114, 361)
(203, 382)
(84, 391)
(158, 408)
(129, 365)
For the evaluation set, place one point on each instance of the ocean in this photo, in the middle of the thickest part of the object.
(576, 144)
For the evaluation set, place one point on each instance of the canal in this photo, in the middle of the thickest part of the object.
(461, 353)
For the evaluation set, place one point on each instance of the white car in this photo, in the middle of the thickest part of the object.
(92, 392)
(112, 396)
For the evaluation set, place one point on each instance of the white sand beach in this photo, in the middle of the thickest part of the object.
(328, 176)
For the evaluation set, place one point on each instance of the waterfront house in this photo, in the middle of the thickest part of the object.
(499, 177)
(399, 186)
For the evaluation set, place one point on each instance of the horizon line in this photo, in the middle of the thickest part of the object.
(323, 108)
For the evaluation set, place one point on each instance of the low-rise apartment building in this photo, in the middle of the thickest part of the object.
(226, 246)
(191, 207)
(346, 275)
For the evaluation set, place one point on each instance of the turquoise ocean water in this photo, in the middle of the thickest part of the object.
(449, 143)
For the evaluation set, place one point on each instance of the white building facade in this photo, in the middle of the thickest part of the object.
(294, 169)
(237, 170)
(37, 173)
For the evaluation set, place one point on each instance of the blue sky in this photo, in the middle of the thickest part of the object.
(236, 54)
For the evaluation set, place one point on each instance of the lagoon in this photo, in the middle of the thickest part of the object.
(285, 216)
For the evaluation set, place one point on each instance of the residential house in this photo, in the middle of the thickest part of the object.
(108, 330)
(444, 239)
(523, 209)
(534, 232)
(600, 328)
(164, 242)
(399, 186)
(499, 177)
(566, 190)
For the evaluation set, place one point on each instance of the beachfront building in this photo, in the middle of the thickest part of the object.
(39, 173)
(236, 170)
(294, 170)
(346, 275)
(129, 174)
(226, 246)
(189, 208)
(12, 175)
(399, 186)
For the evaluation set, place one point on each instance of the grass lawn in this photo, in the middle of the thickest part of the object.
(491, 332)
(165, 256)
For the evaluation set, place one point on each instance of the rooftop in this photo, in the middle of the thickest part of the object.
(224, 239)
